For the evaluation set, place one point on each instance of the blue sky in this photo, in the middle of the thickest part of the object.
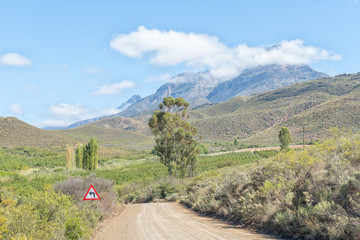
(65, 61)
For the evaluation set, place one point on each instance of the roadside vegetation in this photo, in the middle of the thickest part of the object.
(46, 203)
(311, 194)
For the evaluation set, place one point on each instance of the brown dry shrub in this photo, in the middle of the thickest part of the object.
(78, 187)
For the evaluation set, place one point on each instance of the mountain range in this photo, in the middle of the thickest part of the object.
(256, 119)
(203, 88)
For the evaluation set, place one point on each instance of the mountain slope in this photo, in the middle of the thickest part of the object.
(129, 102)
(193, 87)
(135, 124)
(341, 112)
(246, 117)
(263, 79)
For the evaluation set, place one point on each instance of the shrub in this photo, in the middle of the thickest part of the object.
(77, 188)
(41, 215)
(74, 228)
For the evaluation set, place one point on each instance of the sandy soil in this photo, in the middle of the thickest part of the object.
(169, 221)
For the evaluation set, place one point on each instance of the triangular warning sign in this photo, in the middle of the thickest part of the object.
(91, 194)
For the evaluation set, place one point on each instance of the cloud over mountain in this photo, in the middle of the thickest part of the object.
(204, 52)
(115, 88)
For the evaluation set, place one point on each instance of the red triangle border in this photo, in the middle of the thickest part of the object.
(98, 198)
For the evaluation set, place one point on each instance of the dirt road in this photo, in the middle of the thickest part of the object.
(254, 149)
(169, 221)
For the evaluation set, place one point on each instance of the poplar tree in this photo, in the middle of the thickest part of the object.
(85, 158)
(174, 137)
(69, 158)
(90, 155)
(284, 138)
(79, 156)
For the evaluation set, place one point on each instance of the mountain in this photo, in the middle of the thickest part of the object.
(129, 102)
(263, 79)
(319, 105)
(135, 124)
(202, 88)
(193, 87)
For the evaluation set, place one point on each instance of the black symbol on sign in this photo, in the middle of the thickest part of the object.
(92, 193)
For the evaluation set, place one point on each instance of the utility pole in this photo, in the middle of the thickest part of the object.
(303, 137)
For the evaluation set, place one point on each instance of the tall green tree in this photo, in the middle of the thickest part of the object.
(174, 136)
(79, 156)
(284, 138)
(90, 155)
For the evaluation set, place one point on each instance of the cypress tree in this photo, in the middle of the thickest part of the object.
(90, 155)
(79, 156)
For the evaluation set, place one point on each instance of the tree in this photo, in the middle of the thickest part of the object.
(174, 137)
(90, 155)
(79, 156)
(69, 158)
(285, 138)
(236, 142)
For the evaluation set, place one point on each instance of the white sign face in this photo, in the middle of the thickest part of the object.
(91, 194)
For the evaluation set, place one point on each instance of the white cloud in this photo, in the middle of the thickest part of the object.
(65, 66)
(160, 78)
(65, 114)
(16, 108)
(14, 59)
(92, 70)
(204, 52)
(115, 88)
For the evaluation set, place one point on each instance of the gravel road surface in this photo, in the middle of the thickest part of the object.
(168, 221)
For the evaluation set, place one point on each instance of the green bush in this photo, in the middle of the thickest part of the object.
(203, 149)
(41, 215)
(74, 228)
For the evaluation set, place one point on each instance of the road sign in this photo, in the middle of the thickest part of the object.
(91, 194)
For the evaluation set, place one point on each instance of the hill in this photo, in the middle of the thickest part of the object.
(14, 132)
(319, 104)
(256, 119)
(135, 124)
